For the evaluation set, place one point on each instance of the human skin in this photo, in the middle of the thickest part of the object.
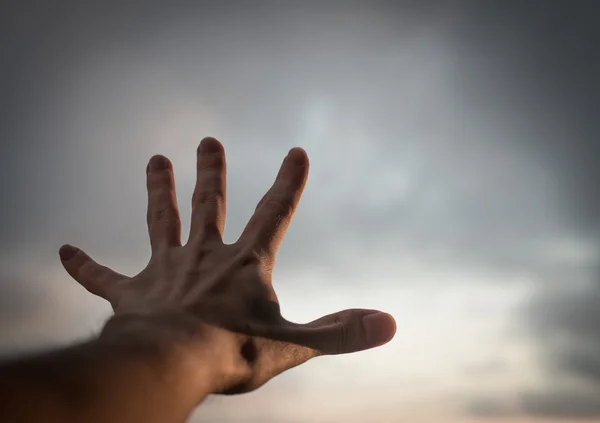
(201, 318)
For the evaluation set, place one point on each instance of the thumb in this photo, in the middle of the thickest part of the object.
(346, 331)
(292, 344)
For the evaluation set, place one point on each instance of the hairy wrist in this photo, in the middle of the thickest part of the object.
(192, 354)
(171, 342)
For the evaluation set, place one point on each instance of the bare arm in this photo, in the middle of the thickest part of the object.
(137, 370)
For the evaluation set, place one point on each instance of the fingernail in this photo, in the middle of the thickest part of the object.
(158, 162)
(66, 252)
(379, 328)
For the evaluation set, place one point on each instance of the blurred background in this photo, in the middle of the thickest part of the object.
(453, 183)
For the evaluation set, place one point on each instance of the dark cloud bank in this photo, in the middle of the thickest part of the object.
(555, 44)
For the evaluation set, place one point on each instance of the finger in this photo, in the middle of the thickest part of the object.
(345, 332)
(97, 279)
(274, 212)
(164, 225)
(208, 201)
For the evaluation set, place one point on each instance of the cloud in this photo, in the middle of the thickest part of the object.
(557, 403)
(453, 149)
(489, 408)
(487, 368)
(565, 320)
(561, 317)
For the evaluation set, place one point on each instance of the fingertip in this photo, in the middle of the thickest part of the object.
(210, 145)
(379, 327)
(298, 156)
(67, 252)
(158, 162)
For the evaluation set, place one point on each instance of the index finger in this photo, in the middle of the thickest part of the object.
(274, 212)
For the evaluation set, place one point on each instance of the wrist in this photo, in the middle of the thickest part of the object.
(173, 344)
(200, 357)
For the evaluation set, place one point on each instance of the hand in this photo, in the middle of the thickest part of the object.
(226, 286)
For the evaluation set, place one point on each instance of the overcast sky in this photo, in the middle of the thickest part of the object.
(454, 184)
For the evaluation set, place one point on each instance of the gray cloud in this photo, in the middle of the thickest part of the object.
(451, 133)
(458, 201)
(564, 321)
(489, 408)
(562, 404)
(489, 368)
(568, 320)
(555, 46)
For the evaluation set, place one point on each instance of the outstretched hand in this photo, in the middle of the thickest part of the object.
(226, 286)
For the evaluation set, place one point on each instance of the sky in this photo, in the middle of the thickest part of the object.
(453, 184)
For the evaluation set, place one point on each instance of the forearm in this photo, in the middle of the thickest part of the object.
(116, 378)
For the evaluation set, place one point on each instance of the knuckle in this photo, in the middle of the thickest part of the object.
(206, 197)
(198, 252)
(162, 206)
(165, 213)
(160, 214)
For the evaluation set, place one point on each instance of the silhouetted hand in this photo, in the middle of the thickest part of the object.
(225, 286)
